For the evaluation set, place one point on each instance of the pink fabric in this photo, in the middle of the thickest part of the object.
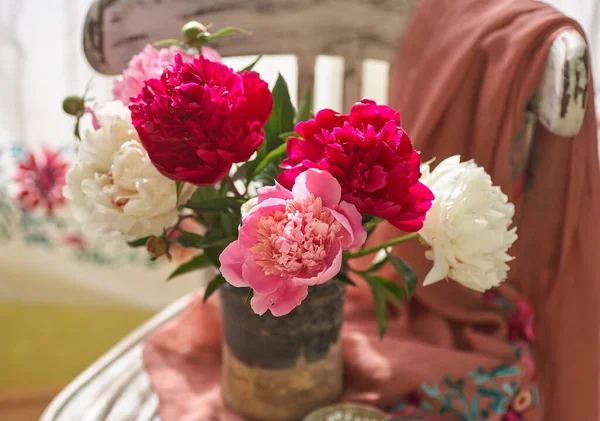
(462, 81)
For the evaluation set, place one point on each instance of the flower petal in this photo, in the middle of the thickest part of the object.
(232, 259)
(319, 184)
(333, 264)
(280, 302)
(440, 267)
(247, 232)
(274, 192)
(355, 219)
(259, 281)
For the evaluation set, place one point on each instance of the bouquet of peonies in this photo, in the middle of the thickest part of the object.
(278, 200)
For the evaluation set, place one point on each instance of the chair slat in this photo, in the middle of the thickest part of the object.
(353, 67)
(306, 74)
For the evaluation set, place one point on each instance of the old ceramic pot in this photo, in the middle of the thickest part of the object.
(282, 368)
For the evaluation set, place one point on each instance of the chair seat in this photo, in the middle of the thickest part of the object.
(116, 387)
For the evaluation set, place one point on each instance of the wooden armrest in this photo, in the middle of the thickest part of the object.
(115, 387)
(561, 98)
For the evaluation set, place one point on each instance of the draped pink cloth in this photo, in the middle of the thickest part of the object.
(462, 80)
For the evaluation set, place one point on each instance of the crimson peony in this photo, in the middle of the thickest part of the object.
(370, 155)
(200, 118)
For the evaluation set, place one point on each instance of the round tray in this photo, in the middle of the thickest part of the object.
(346, 412)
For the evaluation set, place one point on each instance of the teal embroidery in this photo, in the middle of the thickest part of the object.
(482, 377)
(491, 387)
(426, 406)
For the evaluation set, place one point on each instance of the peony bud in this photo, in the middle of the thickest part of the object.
(247, 207)
(157, 246)
(73, 105)
(191, 30)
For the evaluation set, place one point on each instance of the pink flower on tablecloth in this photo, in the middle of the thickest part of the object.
(76, 241)
(150, 64)
(292, 240)
(40, 181)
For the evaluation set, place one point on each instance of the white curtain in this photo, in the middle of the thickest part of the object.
(44, 257)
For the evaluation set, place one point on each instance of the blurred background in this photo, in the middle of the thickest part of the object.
(65, 298)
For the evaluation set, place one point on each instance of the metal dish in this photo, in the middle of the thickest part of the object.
(346, 412)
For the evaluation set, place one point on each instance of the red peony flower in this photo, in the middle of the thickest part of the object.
(41, 181)
(370, 155)
(200, 118)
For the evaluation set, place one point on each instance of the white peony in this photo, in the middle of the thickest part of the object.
(113, 187)
(467, 226)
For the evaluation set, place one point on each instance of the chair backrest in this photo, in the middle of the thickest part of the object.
(355, 30)
(352, 29)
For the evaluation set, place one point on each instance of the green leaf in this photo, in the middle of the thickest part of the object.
(249, 296)
(250, 170)
(366, 218)
(396, 291)
(380, 305)
(342, 277)
(140, 242)
(251, 65)
(225, 31)
(217, 204)
(275, 153)
(213, 253)
(286, 135)
(229, 224)
(204, 193)
(407, 274)
(283, 117)
(305, 108)
(196, 262)
(178, 187)
(189, 239)
(165, 42)
(212, 239)
(268, 176)
(213, 285)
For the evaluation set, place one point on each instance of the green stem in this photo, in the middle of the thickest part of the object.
(374, 249)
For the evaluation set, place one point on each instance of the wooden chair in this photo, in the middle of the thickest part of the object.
(116, 388)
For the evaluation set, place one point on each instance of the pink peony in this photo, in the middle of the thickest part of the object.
(150, 64)
(371, 156)
(200, 118)
(292, 240)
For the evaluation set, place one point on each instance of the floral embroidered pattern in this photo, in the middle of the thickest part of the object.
(482, 392)
(40, 180)
(33, 210)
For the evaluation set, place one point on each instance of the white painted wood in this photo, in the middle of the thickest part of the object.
(116, 387)
(563, 90)
(117, 29)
